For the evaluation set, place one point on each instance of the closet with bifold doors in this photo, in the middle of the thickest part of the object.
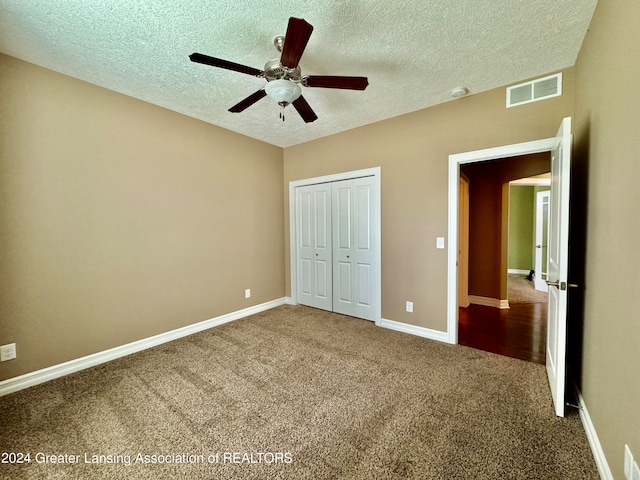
(337, 256)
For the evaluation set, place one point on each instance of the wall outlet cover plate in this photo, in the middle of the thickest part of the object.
(7, 352)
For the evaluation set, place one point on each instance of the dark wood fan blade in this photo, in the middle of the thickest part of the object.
(247, 102)
(347, 83)
(218, 62)
(305, 111)
(295, 41)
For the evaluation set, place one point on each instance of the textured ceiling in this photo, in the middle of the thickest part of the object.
(413, 52)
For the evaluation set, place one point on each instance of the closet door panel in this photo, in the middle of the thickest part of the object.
(314, 244)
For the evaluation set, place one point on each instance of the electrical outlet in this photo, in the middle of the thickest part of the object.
(247, 293)
(628, 463)
(7, 352)
(410, 307)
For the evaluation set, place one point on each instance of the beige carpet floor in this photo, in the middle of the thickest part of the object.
(521, 290)
(297, 393)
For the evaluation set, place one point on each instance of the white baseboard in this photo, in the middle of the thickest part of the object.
(488, 301)
(518, 271)
(289, 301)
(40, 376)
(592, 437)
(414, 330)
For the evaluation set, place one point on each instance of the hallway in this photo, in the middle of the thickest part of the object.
(519, 331)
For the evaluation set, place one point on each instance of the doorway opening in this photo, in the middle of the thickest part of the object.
(456, 161)
(503, 314)
(560, 148)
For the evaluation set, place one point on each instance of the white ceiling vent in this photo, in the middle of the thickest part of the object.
(540, 89)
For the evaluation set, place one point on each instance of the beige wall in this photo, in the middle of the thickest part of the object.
(607, 156)
(121, 220)
(412, 151)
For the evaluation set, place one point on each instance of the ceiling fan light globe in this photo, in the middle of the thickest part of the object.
(283, 91)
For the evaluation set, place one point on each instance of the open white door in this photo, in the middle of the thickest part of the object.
(542, 241)
(558, 263)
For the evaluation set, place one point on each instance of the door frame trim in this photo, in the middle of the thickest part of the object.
(455, 160)
(463, 246)
(374, 172)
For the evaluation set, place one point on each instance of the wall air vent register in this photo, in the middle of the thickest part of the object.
(535, 90)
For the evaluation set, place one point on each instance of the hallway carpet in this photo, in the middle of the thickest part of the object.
(521, 290)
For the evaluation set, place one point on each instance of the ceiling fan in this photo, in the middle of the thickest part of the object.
(283, 75)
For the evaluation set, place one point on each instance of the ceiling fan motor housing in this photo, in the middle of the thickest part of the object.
(274, 70)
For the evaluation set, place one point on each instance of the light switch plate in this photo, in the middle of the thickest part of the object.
(439, 242)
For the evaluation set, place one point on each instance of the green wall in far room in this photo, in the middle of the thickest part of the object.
(521, 227)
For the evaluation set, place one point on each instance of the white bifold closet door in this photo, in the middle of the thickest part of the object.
(313, 211)
(352, 249)
(335, 252)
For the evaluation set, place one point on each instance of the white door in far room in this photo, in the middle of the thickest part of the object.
(542, 241)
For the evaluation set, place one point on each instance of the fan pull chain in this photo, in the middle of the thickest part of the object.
(282, 112)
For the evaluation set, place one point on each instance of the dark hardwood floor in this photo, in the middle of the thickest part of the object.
(519, 331)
